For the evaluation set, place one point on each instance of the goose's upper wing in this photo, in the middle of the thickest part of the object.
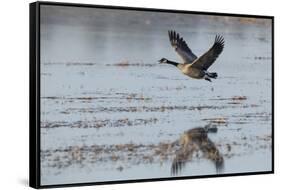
(208, 58)
(181, 47)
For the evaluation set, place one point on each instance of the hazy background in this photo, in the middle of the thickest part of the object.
(103, 35)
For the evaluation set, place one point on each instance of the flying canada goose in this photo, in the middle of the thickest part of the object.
(192, 66)
(193, 141)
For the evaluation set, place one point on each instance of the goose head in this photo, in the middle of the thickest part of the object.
(163, 60)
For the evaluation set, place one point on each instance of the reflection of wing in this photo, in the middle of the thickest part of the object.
(183, 155)
(193, 141)
(208, 58)
(211, 152)
(181, 47)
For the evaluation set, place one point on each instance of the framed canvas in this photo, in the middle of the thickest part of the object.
(121, 94)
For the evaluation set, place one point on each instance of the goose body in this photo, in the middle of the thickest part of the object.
(193, 66)
(192, 72)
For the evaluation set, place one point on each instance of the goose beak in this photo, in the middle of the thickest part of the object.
(159, 61)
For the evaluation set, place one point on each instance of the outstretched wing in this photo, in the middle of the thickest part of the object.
(181, 47)
(208, 58)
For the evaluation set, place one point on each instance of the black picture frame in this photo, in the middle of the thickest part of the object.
(34, 92)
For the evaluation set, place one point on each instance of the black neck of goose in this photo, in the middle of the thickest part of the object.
(172, 63)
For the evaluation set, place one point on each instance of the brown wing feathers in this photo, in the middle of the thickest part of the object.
(208, 58)
(181, 47)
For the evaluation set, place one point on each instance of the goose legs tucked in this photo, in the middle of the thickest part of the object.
(208, 76)
(212, 75)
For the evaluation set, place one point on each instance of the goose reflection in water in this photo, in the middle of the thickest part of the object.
(191, 143)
